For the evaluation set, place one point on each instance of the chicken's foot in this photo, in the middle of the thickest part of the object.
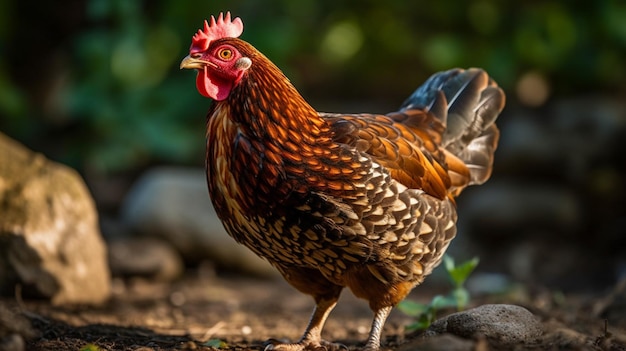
(373, 341)
(312, 337)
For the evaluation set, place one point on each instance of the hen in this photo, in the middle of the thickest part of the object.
(363, 201)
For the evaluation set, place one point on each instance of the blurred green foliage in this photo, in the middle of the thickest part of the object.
(458, 297)
(96, 83)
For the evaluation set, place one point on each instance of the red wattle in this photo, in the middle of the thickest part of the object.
(213, 88)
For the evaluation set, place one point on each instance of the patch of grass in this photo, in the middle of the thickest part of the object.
(458, 297)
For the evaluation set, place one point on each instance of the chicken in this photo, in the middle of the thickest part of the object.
(363, 201)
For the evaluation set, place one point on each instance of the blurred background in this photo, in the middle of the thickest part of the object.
(96, 85)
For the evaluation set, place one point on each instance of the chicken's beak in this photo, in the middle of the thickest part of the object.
(192, 63)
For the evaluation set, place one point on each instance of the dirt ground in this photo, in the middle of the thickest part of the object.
(203, 311)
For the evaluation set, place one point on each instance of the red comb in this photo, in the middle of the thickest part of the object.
(222, 28)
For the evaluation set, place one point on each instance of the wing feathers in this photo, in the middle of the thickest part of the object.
(397, 147)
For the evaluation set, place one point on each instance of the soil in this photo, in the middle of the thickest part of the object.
(203, 312)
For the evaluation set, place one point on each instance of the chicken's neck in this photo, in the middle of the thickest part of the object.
(268, 107)
(264, 140)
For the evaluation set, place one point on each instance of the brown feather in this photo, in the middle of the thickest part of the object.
(397, 147)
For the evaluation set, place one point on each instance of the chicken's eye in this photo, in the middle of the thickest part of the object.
(225, 54)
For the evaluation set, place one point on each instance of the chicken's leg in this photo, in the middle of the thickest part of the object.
(373, 341)
(312, 337)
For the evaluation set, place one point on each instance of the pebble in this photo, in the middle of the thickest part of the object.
(501, 324)
(146, 257)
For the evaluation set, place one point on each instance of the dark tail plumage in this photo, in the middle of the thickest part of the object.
(467, 102)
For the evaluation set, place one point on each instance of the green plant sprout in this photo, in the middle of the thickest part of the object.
(457, 298)
(216, 343)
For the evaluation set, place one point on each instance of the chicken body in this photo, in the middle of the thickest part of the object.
(362, 201)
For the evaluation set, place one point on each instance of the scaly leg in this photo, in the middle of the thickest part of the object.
(312, 337)
(373, 341)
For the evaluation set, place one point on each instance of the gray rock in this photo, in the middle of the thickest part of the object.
(502, 325)
(173, 204)
(49, 237)
(150, 258)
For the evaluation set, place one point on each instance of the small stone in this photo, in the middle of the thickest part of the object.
(150, 258)
(177, 298)
(502, 325)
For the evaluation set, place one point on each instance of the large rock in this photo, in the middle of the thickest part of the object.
(50, 243)
(174, 204)
(502, 325)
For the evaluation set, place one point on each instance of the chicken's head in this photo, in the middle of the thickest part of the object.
(220, 64)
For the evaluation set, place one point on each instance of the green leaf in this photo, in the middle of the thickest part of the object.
(461, 296)
(216, 343)
(418, 325)
(459, 274)
(90, 347)
(412, 308)
(423, 322)
(441, 301)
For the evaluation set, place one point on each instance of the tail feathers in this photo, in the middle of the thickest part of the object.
(478, 155)
(467, 102)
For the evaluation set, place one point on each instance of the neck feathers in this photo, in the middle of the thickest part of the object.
(269, 106)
